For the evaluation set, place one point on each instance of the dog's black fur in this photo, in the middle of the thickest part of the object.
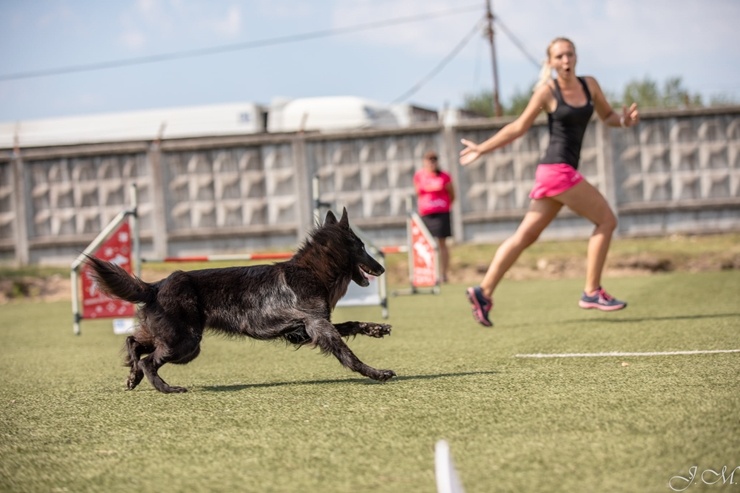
(292, 300)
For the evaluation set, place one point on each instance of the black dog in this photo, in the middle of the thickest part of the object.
(292, 300)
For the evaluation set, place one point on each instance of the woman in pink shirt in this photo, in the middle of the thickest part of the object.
(435, 196)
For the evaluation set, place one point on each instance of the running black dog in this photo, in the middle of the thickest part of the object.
(292, 300)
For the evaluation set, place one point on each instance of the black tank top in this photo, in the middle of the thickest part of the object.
(567, 125)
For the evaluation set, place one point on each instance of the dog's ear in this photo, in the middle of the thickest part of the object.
(330, 218)
(345, 219)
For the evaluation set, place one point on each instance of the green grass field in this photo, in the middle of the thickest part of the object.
(263, 417)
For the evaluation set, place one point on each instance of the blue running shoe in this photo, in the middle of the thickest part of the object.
(481, 305)
(601, 300)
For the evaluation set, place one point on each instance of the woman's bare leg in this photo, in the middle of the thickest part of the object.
(585, 200)
(444, 257)
(541, 213)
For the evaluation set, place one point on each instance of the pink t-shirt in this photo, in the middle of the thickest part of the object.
(432, 191)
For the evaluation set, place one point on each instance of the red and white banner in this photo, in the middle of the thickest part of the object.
(423, 254)
(116, 249)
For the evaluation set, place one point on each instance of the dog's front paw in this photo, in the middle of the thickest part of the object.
(377, 330)
(384, 375)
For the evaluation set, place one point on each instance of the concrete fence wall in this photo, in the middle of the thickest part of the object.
(677, 172)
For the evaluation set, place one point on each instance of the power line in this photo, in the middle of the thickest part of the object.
(441, 64)
(516, 42)
(234, 47)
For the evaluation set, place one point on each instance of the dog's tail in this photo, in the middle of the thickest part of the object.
(116, 282)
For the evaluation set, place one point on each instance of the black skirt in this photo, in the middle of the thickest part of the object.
(438, 224)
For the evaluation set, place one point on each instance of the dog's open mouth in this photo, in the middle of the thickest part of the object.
(363, 271)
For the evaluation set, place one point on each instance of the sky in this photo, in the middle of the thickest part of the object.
(78, 57)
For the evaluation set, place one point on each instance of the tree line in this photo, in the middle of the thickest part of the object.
(647, 93)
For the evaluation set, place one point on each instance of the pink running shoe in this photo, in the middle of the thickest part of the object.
(601, 300)
(481, 305)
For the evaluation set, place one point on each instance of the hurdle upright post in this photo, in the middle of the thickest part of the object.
(135, 230)
(318, 205)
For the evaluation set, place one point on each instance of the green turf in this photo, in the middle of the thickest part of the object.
(262, 417)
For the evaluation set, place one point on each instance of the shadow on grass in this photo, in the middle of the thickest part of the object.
(357, 381)
(616, 319)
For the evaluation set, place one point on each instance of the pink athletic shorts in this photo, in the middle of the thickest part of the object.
(553, 179)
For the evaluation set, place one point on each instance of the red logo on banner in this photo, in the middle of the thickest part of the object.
(423, 255)
(116, 249)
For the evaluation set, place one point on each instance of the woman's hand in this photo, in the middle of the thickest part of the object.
(470, 153)
(630, 117)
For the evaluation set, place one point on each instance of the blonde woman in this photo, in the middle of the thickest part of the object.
(569, 102)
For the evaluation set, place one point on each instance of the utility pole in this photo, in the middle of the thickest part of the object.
(489, 32)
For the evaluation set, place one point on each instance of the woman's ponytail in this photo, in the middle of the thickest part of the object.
(545, 75)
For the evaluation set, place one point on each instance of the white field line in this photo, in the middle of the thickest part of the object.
(626, 354)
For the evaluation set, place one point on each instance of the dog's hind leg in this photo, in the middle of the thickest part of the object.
(364, 328)
(135, 350)
(151, 365)
(327, 338)
(181, 352)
